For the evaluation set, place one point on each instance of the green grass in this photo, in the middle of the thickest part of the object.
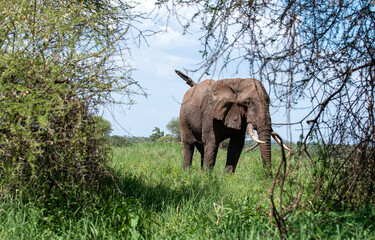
(160, 201)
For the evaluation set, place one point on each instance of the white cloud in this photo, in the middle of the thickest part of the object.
(169, 38)
(166, 51)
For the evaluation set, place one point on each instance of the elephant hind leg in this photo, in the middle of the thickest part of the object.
(188, 142)
(188, 154)
(201, 150)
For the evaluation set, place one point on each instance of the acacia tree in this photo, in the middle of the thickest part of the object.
(59, 60)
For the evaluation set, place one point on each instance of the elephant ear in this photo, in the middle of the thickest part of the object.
(222, 98)
(224, 107)
(221, 109)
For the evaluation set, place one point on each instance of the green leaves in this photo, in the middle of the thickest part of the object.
(58, 63)
(156, 134)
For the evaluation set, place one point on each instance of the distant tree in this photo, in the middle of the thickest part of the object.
(118, 141)
(168, 138)
(156, 134)
(174, 127)
(137, 140)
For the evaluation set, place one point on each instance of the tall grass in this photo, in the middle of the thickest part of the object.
(160, 201)
(190, 204)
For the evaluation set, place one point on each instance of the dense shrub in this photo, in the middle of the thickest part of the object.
(57, 65)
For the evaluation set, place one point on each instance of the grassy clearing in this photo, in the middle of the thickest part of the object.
(160, 201)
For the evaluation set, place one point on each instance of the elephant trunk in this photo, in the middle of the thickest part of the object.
(264, 141)
(265, 148)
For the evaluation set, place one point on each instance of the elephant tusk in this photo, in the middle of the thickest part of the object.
(277, 139)
(251, 132)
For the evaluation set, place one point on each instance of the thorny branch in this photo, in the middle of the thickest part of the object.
(328, 48)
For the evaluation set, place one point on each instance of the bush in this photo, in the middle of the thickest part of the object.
(48, 144)
(54, 74)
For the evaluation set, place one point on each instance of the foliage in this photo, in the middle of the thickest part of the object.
(173, 126)
(58, 61)
(104, 126)
(156, 134)
(160, 201)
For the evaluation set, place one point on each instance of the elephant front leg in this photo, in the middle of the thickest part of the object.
(234, 151)
(210, 152)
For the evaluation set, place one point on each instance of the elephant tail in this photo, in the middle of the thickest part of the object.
(187, 79)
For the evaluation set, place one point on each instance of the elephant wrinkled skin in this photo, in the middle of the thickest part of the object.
(212, 111)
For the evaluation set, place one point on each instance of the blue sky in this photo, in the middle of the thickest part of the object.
(155, 65)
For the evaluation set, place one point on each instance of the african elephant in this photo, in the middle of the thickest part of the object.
(212, 111)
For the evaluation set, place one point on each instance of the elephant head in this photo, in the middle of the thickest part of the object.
(241, 102)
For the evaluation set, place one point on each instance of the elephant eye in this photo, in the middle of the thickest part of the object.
(247, 102)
